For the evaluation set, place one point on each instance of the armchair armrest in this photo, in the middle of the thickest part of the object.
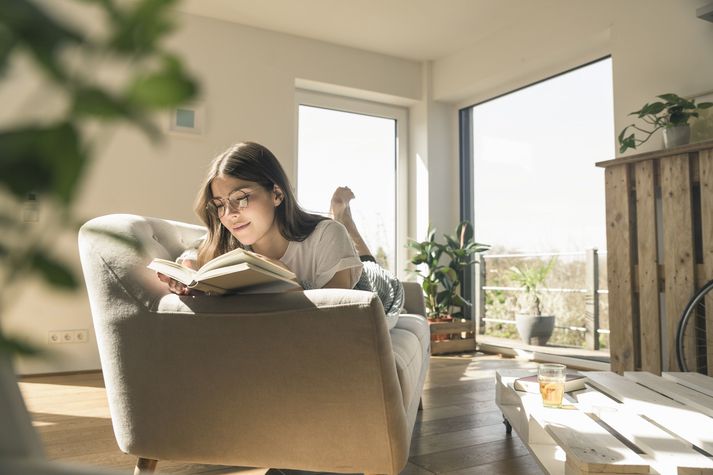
(413, 298)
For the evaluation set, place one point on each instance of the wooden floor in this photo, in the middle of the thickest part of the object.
(459, 431)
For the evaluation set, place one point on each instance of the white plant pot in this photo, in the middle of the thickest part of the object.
(676, 136)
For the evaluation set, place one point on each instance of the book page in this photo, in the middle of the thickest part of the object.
(240, 276)
(173, 270)
(238, 256)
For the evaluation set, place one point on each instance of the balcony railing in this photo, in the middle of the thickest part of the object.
(591, 292)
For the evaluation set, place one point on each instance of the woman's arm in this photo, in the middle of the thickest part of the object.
(341, 280)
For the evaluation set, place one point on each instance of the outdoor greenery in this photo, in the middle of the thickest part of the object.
(532, 279)
(671, 111)
(569, 308)
(43, 161)
(441, 266)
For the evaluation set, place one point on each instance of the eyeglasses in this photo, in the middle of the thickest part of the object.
(237, 200)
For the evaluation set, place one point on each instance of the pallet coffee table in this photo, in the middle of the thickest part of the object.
(636, 423)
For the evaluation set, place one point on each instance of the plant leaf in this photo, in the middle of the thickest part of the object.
(167, 87)
(460, 301)
(670, 98)
(138, 29)
(41, 34)
(16, 346)
(54, 272)
(34, 159)
(91, 101)
(7, 45)
(452, 242)
(652, 109)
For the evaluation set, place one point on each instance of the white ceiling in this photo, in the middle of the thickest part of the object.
(412, 29)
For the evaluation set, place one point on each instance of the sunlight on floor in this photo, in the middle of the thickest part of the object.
(39, 401)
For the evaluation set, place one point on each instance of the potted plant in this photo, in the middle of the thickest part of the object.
(530, 321)
(441, 266)
(672, 114)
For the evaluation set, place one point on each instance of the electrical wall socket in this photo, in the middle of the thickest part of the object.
(68, 336)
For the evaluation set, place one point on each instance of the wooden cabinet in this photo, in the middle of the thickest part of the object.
(659, 208)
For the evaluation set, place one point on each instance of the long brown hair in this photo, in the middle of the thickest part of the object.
(253, 162)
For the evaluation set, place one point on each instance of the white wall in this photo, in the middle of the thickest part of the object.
(431, 204)
(659, 49)
(248, 77)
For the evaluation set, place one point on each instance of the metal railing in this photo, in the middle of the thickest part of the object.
(591, 292)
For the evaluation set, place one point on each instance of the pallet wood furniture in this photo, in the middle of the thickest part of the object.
(458, 336)
(659, 215)
(618, 425)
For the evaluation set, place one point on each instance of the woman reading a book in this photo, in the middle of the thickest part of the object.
(246, 201)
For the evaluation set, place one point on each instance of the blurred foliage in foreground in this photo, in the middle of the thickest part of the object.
(44, 160)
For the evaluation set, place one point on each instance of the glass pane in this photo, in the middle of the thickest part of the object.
(538, 195)
(535, 184)
(339, 148)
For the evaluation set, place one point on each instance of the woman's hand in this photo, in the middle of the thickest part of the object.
(175, 286)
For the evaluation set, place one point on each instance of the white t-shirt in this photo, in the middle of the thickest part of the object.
(322, 254)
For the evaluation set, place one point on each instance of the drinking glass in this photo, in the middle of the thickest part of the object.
(551, 378)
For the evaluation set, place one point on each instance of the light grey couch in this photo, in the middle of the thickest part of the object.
(309, 380)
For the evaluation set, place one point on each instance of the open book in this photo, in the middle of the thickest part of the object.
(234, 271)
(573, 382)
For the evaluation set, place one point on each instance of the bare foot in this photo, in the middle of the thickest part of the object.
(340, 204)
(343, 214)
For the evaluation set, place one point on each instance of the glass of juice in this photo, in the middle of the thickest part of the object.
(551, 379)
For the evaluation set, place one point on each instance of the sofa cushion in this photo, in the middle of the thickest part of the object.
(417, 325)
(408, 354)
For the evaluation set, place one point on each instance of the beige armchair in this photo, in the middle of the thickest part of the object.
(309, 380)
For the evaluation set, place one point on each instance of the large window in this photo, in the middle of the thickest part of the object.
(532, 189)
(344, 142)
(535, 186)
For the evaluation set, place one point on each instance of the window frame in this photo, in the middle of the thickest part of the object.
(374, 109)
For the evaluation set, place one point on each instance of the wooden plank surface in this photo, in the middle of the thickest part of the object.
(589, 446)
(678, 245)
(683, 149)
(444, 328)
(648, 278)
(667, 413)
(619, 268)
(452, 346)
(690, 397)
(705, 165)
(667, 454)
(695, 381)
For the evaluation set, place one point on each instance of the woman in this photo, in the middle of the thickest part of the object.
(246, 201)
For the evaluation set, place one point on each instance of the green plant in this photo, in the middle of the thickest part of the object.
(531, 278)
(672, 111)
(47, 159)
(444, 265)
